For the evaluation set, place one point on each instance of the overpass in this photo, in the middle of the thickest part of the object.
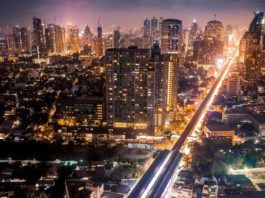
(168, 169)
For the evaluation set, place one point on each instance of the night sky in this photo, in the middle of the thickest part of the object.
(126, 13)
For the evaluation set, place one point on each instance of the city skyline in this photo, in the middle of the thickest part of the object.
(127, 14)
(132, 99)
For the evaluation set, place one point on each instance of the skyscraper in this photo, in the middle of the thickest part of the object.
(193, 31)
(141, 88)
(17, 38)
(87, 36)
(98, 42)
(116, 39)
(126, 77)
(147, 28)
(171, 35)
(25, 39)
(73, 40)
(233, 84)
(214, 29)
(50, 39)
(39, 43)
(252, 49)
(55, 39)
(147, 33)
(210, 46)
(154, 25)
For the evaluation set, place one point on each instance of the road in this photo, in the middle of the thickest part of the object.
(166, 178)
(157, 186)
(139, 189)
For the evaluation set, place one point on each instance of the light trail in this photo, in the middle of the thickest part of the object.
(158, 173)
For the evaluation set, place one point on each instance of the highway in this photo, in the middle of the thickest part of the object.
(143, 183)
(165, 178)
(204, 105)
(155, 184)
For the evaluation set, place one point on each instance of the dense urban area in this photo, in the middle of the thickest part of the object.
(162, 110)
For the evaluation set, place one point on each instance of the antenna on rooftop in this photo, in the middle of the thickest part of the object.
(99, 21)
(258, 8)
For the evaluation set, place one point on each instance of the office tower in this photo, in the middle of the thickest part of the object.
(100, 32)
(98, 42)
(60, 39)
(233, 84)
(186, 38)
(87, 36)
(73, 40)
(215, 30)
(160, 24)
(154, 25)
(209, 47)
(206, 51)
(108, 42)
(39, 44)
(98, 47)
(50, 39)
(55, 39)
(116, 39)
(194, 28)
(147, 33)
(171, 35)
(3, 45)
(10, 43)
(25, 39)
(147, 28)
(252, 49)
(17, 38)
(193, 32)
(67, 32)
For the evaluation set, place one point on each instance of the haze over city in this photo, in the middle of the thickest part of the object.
(132, 99)
(127, 14)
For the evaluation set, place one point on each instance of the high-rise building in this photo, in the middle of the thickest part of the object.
(25, 39)
(55, 39)
(154, 25)
(147, 28)
(87, 37)
(147, 34)
(126, 88)
(206, 51)
(50, 39)
(98, 47)
(209, 47)
(171, 35)
(98, 42)
(233, 84)
(193, 31)
(141, 87)
(99, 32)
(60, 39)
(252, 49)
(39, 43)
(17, 38)
(194, 28)
(116, 39)
(73, 40)
(214, 29)
(10, 43)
